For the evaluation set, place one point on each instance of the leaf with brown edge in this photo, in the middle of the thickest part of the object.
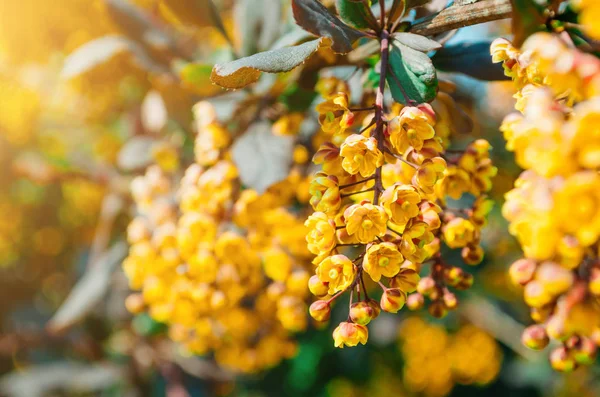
(245, 71)
(313, 17)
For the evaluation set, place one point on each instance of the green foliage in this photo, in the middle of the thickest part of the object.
(356, 14)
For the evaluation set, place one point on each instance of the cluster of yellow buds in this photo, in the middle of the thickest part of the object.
(554, 209)
(381, 212)
(225, 267)
(436, 360)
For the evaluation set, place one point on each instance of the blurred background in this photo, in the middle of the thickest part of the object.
(92, 92)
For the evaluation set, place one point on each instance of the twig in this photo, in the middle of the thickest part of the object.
(458, 16)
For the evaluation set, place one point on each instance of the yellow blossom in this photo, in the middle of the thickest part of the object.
(411, 128)
(338, 271)
(325, 193)
(321, 235)
(382, 259)
(458, 232)
(365, 221)
(361, 155)
(350, 334)
(401, 202)
(334, 115)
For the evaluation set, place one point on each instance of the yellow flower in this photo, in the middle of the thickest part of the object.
(429, 173)
(589, 15)
(328, 156)
(365, 221)
(577, 206)
(382, 259)
(338, 271)
(401, 202)
(321, 235)
(456, 182)
(211, 139)
(350, 334)
(361, 155)
(334, 115)
(288, 124)
(411, 128)
(414, 241)
(585, 129)
(459, 232)
(325, 193)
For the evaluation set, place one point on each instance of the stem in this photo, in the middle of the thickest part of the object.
(382, 19)
(356, 183)
(362, 191)
(385, 49)
(362, 282)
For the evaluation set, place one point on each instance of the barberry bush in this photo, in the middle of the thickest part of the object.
(300, 197)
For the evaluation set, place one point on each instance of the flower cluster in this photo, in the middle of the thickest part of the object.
(224, 267)
(381, 212)
(436, 360)
(554, 209)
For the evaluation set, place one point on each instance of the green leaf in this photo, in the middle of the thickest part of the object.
(416, 41)
(411, 76)
(397, 11)
(528, 18)
(241, 72)
(356, 14)
(316, 19)
(472, 59)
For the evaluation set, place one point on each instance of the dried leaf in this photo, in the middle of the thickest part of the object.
(101, 50)
(356, 14)
(316, 19)
(89, 290)
(416, 41)
(412, 77)
(241, 72)
(472, 59)
(262, 158)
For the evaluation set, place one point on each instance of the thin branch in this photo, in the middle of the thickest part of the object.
(458, 16)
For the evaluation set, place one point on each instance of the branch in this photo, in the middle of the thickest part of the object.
(458, 16)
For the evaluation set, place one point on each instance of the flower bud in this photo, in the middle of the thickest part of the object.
(555, 278)
(317, 287)
(392, 300)
(135, 303)
(535, 295)
(556, 328)
(540, 314)
(376, 308)
(585, 351)
(361, 313)
(437, 309)
(521, 271)
(594, 285)
(415, 301)
(450, 300)
(426, 286)
(472, 254)
(535, 337)
(453, 275)
(320, 310)
(465, 283)
(561, 361)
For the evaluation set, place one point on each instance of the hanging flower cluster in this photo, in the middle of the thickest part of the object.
(381, 212)
(224, 267)
(554, 209)
(436, 360)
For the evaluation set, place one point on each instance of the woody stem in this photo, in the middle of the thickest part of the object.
(378, 132)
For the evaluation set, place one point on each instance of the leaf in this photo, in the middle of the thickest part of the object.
(397, 11)
(364, 51)
(527, 18)
(89, 290)
(98, 51)
(416, 41)
(472, 59)
(356, 13)
(262, 158)
(41, 380)
(194, 13)
(136, 153)
(316, 19)
(411, 76)
(241, 72)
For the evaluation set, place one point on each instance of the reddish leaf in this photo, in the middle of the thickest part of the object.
(316, 19)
